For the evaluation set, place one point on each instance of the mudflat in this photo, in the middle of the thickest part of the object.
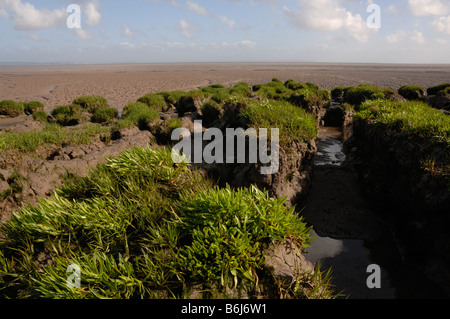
(121, 84)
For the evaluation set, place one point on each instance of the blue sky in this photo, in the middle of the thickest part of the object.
(159, 31)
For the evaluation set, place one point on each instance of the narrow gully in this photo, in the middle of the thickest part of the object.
(348, 235)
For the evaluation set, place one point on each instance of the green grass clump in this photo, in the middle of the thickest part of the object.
(309, 99)
(15, 185)
(11, 108)
(358, 94)
(104, 115)
(139, 226)
(51, 134)
(412, 92)
(91, 103)
(68, 115)
(40, 116)
(434, 90)
(156, 101)
(275, 90)
(224, 230)
(292, 85)
(211, 112)
(241, 89)
(305, 95)
(173, 97)
(163, 132)
(191, 101)
(140, 114)
(213, 88)
(295, 124)
(411, 117)
(32, 107)
(338, 93)
(221, 95)
(29, 141)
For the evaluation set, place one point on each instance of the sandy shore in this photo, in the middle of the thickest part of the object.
(121, 84)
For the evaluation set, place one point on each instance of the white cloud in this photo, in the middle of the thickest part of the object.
(186, 29)
(415, 36)
(127, 33)
(127, 45)
(428, 7)
(392, 38)
(392, 9)
(195, 7)
(83, 34)
(442, 24)
(25, 16)
(246, 44)
(34, 37)
(3, 13)
(227, 21)
(418, 37)
(93, 14)
(328, 15)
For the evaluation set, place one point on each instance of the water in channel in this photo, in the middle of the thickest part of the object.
(348, 235)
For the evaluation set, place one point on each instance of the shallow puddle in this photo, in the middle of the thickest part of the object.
(351, 237)
(329, 148)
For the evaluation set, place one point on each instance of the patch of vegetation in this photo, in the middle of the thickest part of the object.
(140, 114)
(190, 101)
(11, 108)
(295, 124)
(51, 134)
(338, 93)
(356, 95)
(241, 89)
(325, 95)
(163, 132)
(104, 115)
(32, 107)
(69, 115)
(412, 92)
(173, 97)
(213, 88)
(15, 186)
(91, 103)
(308, 285)
(434, 90)
(411, 117)
(211, 111)
(139, 226)
(156, 101)
(275, 90)
(309, 99)
(304, 95)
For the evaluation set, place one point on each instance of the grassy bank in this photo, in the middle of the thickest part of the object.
(407, 144)
(414, 118)
(51, 134)
(141, 227)
(294, 123)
